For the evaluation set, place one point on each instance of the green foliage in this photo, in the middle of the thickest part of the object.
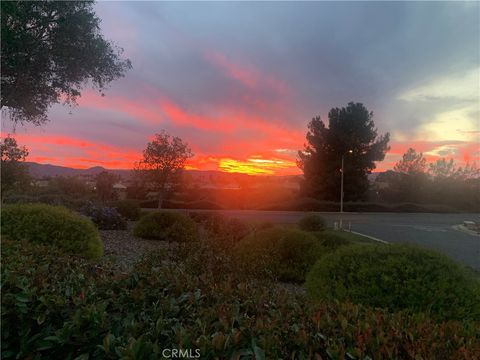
(129, 209)
(163, 161)
(332, 240)
(50, 50)
(444, 184)
(286, 254)
(228, 231)
(312, 222)
(166, 226)
(14, 173)
(51, 225)
(67, 308)
(104, 182)
(106, 218)
(350, 128)
(397, 277)
(49, 199)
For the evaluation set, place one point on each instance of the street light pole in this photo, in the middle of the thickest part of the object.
(341, 186)
(341, 189)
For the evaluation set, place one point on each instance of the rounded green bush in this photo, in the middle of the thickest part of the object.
(129, 209)
(397, 277)
(286, 254)
(167, 226)
(55, 225)
(226, 231)
(312, 222)
(331, 241)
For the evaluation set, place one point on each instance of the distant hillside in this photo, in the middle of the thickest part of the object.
(46, 170)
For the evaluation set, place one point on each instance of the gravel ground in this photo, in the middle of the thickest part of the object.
(127, 248)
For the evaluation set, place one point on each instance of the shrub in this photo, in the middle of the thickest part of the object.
(129, 209)
(312, 222)
(74, 309)
(53, 225)
(227, 230)
(286, 254)
(397, 277)
(166, 225)
(106, 218)
(330, 240)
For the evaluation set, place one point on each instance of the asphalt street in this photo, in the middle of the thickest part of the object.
(435, 231)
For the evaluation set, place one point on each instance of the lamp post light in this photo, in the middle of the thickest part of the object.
(341, 188)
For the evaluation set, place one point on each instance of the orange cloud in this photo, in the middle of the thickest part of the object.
(247, 75)
(248, 78)
(181, 117)
(75, 152)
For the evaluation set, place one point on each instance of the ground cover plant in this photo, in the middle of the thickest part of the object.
(312, 222)
(129, 209)
(55, 225)
(168, 226)
(105, 217)
(67, 307)
(283, 253)
(228, 231)
(398, 277)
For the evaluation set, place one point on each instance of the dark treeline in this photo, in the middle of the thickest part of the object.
(443, 182)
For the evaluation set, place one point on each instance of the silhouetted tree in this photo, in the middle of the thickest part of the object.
(409, 179)
(350, 128)
(13, 172)
(412, 163)
(162, 164)
(50, 49)
(69, 186)
(104, 182)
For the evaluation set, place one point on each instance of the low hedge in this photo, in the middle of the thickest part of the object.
(51, 225)
(286, 254)
(68, 308)
(104, 217)
(167, 226)
(331, 240)
(227, 231)
(398, 277)
(312, 222)
(129, 209)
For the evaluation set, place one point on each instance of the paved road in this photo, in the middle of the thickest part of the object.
(434, 231)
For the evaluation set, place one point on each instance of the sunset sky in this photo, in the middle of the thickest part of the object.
(240, 81)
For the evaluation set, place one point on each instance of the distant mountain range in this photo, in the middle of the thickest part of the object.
(39, 171)
(47, 170)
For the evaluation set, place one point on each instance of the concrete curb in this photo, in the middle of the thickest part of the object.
(370, 237)
(465, 230)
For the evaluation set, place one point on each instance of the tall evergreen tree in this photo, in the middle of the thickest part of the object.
(350, 133)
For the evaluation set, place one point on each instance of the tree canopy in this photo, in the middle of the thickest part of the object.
(413, 180)
(351, 133)
(13, 172)
(411, 163)
(104, 182)
(163, 160)
(50, 50)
